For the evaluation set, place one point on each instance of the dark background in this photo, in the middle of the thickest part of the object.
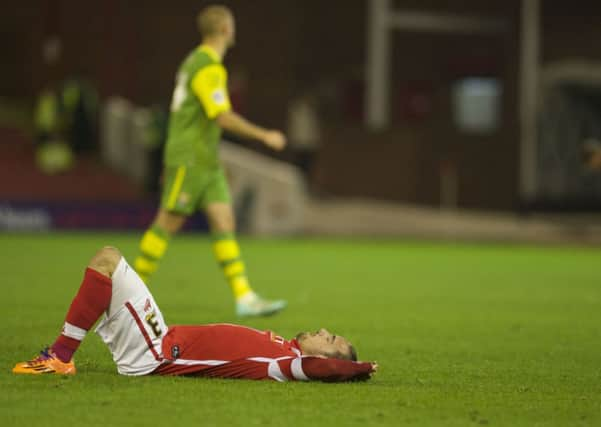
(288, 48)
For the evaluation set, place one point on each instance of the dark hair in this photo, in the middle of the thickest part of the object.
(353, 353)
(350, 355)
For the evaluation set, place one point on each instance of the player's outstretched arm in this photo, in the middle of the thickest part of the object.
(235, 123)
(301, 369)
(337, 370)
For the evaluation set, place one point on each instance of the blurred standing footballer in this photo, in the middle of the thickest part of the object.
(193, 176)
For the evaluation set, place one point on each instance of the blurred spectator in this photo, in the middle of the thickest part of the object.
(156, 136)
(65, 116)
(304, 131)
(53, 154)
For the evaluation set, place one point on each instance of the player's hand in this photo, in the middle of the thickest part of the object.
(275, 140)
(374, 368)
(366, 375)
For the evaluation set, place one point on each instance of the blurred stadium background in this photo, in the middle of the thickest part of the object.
(408, 122)
(424, 118)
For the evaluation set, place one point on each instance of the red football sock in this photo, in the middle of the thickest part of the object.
(92, 299)
(64, 347)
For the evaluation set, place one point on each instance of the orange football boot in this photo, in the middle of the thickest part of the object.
(45, 363)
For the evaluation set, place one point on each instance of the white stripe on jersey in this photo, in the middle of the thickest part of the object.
(296, 367)
(74, 332)
(273, 367)
(199, 362)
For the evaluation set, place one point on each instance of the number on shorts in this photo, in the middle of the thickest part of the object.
(154, 324)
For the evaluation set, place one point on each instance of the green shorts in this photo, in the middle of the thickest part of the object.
(191, 188)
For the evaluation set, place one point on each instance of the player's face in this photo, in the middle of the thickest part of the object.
(323, 343)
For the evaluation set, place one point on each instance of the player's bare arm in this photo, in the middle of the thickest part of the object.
(235, 123)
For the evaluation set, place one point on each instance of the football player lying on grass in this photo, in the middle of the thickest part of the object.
(141, 343)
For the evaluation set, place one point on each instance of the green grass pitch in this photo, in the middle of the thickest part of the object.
(464, 334)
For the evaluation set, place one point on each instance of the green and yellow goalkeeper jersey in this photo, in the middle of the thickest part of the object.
(200, 95)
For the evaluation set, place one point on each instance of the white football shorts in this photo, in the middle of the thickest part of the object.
(133, 327)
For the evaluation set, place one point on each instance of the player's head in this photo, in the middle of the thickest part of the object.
(323, 343)
(217, 22)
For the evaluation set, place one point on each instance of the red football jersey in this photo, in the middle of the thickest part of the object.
(233, 351)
